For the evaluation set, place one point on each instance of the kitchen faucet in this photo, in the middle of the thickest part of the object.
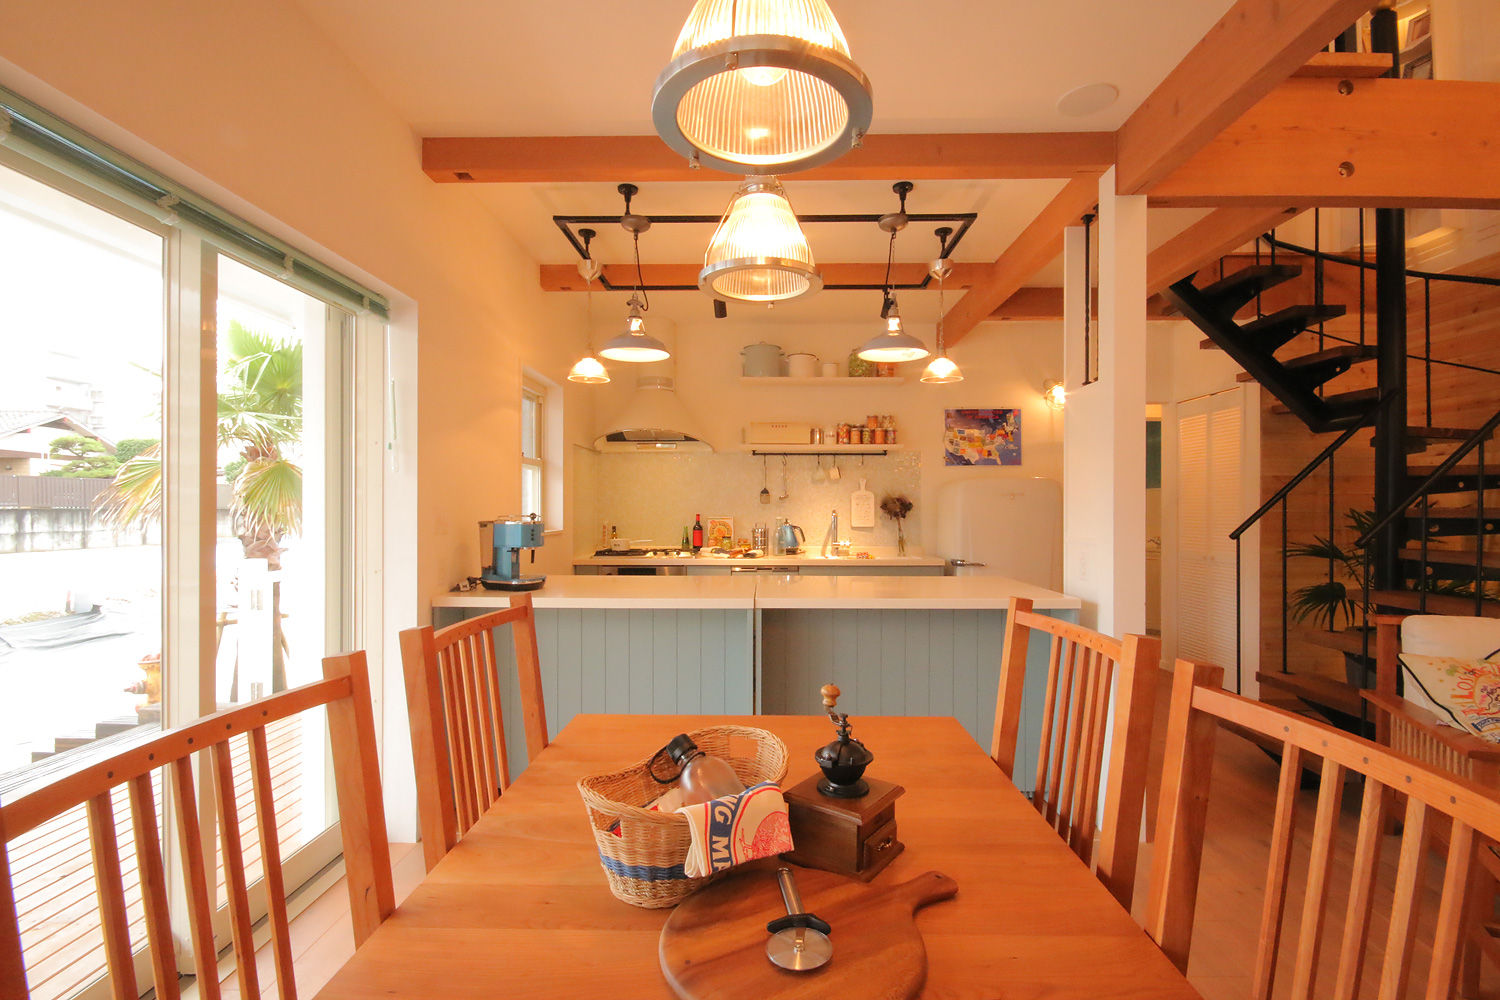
(830, 543)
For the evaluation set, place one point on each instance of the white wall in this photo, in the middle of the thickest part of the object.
(1004, 365)
(1104, 522)
(251, 105)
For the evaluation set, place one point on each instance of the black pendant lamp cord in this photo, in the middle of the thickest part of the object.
(890, 256)
(640, 282)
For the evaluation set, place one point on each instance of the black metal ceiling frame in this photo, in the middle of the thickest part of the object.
(960, 220)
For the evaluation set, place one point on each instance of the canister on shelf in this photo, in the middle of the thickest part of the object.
(879, 435)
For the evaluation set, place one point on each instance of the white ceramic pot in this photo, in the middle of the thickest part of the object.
(762, 360)
(802, 365)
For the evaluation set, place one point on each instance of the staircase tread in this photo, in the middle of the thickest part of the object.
(1353, 351)
(1326, 691)
(1349, 641)
(1301, 313)
(1414, 551)
(1437, 604)
(1250, 275)
(1461, 469)
(1442, 433)
(1468, 513)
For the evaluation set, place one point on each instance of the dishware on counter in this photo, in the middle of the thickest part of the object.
(799, 941)
(758, 535)
(802, 365)
(642, 851)
(705, 948)
(762, 360)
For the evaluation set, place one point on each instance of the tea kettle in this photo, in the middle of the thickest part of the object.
(786, 538)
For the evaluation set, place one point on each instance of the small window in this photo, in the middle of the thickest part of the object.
(533, 449)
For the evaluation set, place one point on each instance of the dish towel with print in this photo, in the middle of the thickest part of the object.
(736, 828)
(1462, 692)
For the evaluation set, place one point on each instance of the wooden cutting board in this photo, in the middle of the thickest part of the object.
(714, 943)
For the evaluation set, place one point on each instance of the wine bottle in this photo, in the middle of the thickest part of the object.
(697, 532)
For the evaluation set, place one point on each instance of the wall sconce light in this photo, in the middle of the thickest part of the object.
(1053, 393)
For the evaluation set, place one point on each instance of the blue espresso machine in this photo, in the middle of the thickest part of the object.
(500, 545)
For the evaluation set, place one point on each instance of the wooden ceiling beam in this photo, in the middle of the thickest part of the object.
(646, 159)
(1208, 239)
(1037, 245)
(1045, 302)
(1256, 45)
(1352, 143)
(565, 277)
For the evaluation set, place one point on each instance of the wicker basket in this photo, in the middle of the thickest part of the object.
(643, 861)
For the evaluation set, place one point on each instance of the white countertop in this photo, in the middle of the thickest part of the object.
(632, 592)
(909, 592)
(774, 591)
(798, 560)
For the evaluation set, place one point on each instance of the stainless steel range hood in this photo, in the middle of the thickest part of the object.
(654, 421)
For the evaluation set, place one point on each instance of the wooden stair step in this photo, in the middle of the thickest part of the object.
(1352, 352)
(1436, 604)
(1318, 691)
(1446, 556)
(1355, 400)
(1469, 513)
(1441, 433)
(1233, 291)
(1347, 641)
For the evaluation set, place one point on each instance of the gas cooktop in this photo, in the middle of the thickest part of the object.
(606, 553)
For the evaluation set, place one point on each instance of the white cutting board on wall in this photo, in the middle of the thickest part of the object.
(862, 507)
(1012, 525)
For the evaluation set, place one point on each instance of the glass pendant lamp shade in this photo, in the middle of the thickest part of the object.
(758, 253)
(634, 344)
(895, 344)
(590, 371)
(941, 370)
(761, 86)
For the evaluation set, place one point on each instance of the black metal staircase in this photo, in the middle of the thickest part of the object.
(1295, 381)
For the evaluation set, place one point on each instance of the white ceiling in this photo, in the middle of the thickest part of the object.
(503, 67)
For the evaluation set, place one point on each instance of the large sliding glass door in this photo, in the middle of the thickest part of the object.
(113, 618)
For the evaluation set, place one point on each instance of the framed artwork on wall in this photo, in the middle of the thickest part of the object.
(982, 437)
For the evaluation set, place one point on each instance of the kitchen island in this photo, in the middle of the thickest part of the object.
(765, 643)
(810, 564)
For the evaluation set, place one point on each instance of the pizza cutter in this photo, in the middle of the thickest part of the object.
(799, 941)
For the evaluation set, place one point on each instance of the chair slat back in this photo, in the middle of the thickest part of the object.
(1198, 707)
(346, 693)
(453, 692)
(1091, 679)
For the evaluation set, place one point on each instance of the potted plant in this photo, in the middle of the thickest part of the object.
(1323, 602)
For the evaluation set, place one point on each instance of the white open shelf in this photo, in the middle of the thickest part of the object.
(836, 381)
(821, 449)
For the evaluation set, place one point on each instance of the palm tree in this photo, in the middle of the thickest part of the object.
(259, 417)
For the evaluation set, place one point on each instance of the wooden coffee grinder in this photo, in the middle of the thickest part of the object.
(842, 821)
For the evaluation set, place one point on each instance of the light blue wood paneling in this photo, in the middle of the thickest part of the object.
(649, 661)
(899, 663)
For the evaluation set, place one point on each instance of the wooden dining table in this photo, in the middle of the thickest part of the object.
(520, 907)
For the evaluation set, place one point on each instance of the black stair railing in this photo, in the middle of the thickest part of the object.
(1279, 499)
(1443, 476)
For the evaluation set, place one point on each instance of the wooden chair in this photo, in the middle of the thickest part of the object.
(1198, 707)
(1082, 666)
(345, 690)
(457, 732)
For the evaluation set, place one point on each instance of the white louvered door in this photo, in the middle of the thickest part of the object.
(1210, 504)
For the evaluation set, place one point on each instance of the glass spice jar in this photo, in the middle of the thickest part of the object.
(879, 435)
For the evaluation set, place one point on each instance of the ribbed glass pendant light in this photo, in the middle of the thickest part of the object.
(758, 253)
(941, 369)
(761, 86)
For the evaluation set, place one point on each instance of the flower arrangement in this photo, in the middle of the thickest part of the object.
(896, 507)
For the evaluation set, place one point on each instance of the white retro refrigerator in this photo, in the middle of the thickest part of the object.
(1002, 526)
